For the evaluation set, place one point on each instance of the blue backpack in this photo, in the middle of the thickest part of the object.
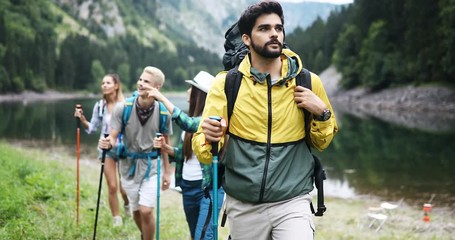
(164, 114)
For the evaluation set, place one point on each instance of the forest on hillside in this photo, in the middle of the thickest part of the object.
(38, 52)
(383, 43)
(377, 44)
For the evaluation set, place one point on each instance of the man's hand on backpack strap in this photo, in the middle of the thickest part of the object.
(305, 98)
(213, 130)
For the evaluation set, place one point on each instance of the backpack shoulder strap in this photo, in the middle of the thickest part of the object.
(128, 107)
(304, 80)
(101, 108)
(164, 113)
(231, 88)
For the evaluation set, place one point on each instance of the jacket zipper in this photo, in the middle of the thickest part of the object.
(269, 133)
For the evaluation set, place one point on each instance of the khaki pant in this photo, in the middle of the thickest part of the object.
(285, 220)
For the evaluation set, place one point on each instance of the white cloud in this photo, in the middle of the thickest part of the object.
(325, 1)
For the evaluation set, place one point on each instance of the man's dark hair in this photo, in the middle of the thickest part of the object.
(249, 16)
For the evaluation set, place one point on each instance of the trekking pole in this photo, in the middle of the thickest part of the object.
(78, 156)
(215, 183)
(158, 173)
(103, 157)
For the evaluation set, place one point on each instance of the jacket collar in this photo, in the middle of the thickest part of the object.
(290, 68)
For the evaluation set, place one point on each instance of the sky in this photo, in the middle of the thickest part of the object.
(326, 1)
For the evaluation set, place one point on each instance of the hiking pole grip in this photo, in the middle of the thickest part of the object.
(215, 183)
(215, 144)
(78, 120)
(158, 150)
(104, 152)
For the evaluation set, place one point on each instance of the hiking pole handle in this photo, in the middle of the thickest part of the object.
(158, 150)
(215, 144)
(78, 120)
(103, 154)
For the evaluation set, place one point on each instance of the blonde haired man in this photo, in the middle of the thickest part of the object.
(155, 74)
(139, 169)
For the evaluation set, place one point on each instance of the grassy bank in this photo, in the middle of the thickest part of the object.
(38, 201)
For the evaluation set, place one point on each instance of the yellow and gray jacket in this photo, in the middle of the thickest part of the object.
(266, 159)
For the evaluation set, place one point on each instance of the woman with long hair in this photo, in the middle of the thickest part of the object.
(111, 88)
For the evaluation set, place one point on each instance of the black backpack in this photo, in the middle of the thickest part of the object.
(235, 49)
(235, 53)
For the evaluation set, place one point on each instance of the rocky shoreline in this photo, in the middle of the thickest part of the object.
(427, 108)
(430, 108)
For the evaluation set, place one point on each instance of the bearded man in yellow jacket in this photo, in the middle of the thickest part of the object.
(268, 166)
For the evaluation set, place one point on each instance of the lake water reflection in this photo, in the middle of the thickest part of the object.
(367, 157)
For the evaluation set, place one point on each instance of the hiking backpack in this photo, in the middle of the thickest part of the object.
(235, 49)
(128, 107)
(235, 53)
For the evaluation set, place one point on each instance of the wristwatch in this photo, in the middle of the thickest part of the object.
(325, 115)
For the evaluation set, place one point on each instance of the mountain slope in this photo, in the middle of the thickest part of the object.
(110, 19)
(200, 22)
(205, 21)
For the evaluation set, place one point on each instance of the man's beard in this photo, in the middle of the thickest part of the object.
(265, 52)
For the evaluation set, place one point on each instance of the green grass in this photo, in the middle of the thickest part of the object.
(38, 201)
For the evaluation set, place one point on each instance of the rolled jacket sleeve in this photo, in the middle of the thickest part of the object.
(322, 132)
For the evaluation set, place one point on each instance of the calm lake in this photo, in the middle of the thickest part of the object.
(367, 157)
